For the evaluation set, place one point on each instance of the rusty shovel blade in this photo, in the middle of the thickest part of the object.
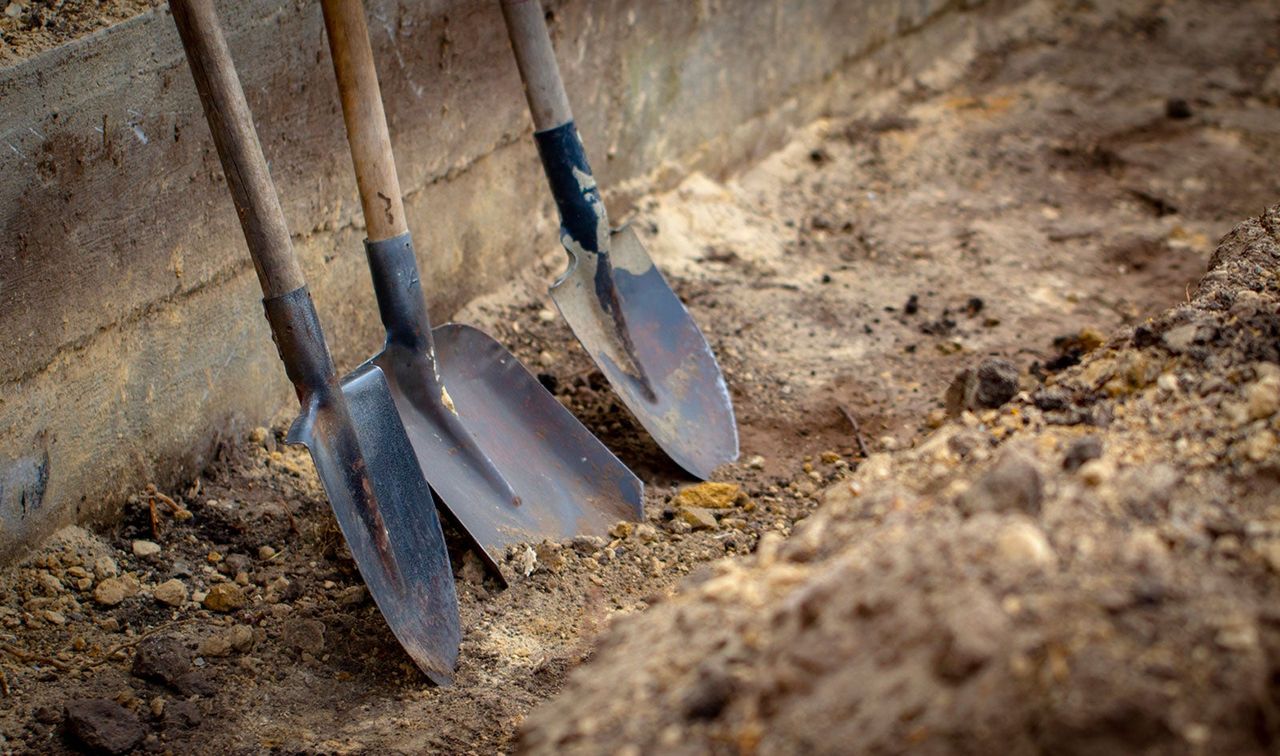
(378, 495)
(388, 518)
(510, 463)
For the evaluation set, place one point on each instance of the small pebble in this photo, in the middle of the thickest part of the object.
(224, 597)
(110, 592)
(1022, 544)
(170, 592)
(143, 549)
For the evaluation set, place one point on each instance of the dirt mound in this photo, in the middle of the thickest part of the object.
(1089, 569)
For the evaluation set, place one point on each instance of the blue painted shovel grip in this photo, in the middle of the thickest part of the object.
(565, 163)
(398, 287)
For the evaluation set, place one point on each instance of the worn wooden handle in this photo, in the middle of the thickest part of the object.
(536, 59)
(232, 125)
(366, 121)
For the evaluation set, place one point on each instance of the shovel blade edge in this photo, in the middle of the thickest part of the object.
(387, 515)
(680, 397)
(568, 482)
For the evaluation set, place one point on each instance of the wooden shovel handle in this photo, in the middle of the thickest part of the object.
(536, 59)
(232, 125)
(366, 121)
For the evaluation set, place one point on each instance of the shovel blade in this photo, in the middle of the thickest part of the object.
(516, 438)
(667, 375)
(386, 512)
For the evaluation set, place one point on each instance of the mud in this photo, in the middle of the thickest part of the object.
(1038, 205)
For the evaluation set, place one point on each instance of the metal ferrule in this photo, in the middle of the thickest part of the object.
(582, 213)
(399, 290)
(295, 326)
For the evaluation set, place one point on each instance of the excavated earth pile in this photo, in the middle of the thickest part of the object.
(994, 494)
(1090, 568)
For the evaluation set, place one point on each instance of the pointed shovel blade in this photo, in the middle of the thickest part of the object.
(661, 367)
(386, 512)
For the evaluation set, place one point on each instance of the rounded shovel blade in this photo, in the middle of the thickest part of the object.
(667, 375)
(386, 512)
(566, 482)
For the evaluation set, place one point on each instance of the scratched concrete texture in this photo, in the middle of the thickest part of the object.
(131, 331)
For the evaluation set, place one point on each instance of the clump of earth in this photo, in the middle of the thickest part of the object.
(1007, 479)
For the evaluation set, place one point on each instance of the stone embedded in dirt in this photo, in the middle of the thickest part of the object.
(1145, 551)
(224, 597)
(303, 635)
(183, 715)
(170, 592)
(1181, 338)
(1012, 484)
(710, 496)
(550, 556)
(991, 385)
(105, 567)
(110, 592)
(1269, 550)
(48, 715)
(697, 518)
(976, 628)
(163, 659)
(143, 549)
(1260, 445)
(1022, 545)
(622, 529)
(525, 560)
(1081, 450)
(353, 595)
(104, 726)
(1262, 397)
(1051, 398)
(234, 564)
(238, 639)
(1096, 472)
(587, 544)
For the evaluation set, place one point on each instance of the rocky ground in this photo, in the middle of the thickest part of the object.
(994, 493)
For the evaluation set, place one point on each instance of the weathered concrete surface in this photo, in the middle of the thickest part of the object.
(131, 335)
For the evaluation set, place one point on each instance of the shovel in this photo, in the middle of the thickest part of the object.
(510, 462)
(614, 298)
(359, 447)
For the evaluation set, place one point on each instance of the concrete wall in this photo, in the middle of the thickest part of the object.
(131, 334)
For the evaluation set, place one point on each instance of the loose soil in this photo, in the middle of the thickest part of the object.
(29, 27)
(1088, 566)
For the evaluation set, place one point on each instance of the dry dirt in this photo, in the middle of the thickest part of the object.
(29, 27)
(950, 584)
